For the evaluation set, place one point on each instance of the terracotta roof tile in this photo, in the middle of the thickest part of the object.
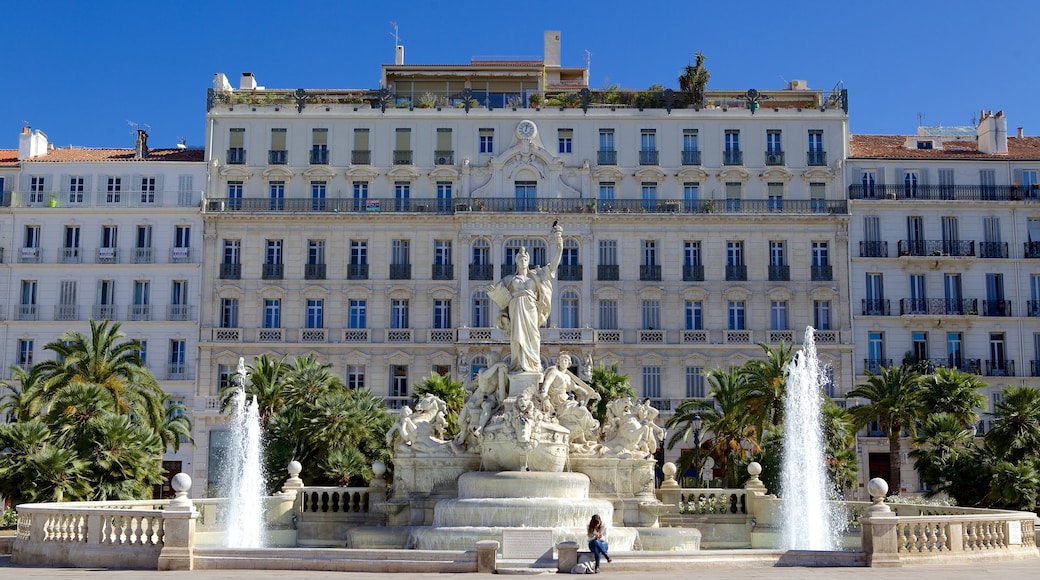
(8, 157)
(892, 147)
(74, 154)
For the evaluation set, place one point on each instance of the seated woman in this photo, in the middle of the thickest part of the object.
(597, 544)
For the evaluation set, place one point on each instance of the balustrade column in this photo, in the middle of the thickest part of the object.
(178, 551)
(878, 529)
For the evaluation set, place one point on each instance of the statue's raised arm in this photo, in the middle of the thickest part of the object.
(556, 236)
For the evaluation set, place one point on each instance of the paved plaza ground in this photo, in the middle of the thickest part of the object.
(1002, 570)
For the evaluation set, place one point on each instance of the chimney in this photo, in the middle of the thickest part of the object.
(141, 149)
(248, 82)
(1021, 132)
(399, 54)
(992, 133)
(31, 143)
(552, 48)
(221, 84)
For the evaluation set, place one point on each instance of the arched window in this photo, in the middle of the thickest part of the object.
(535, 248)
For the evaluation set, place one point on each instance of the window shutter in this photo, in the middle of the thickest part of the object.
(159, 185)
(86, 188)
(64, 185)
(443, 139)
(922, 176)
(361, 139)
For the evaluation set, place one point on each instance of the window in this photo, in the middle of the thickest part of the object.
(32, 237)
(236, 146)
(232, 251)
(358, 314)
(648, 147)
(694, 315)
(106, 293)
(315, 314)
(919, 345)
(142, 352)
(526, 194)
(775, 193)
(400, 261)
(179, 307)
(114, 190)
(319, 146)
(1030, 183)
(442, 314)
(731, 155)
(229, 313)
(816, 155)
(773, 147)
(608, 315)
(444, 154)
(178, 352)
(691, 196)
(358, 252)
(868, 181)
(25, 353)
(606, 196)
(876, 351)
(692, 253)
(487, 140)
(734, 190)
(694, 382)
(272, 313)
(734, 253)
(608, 266)
(737, 319)
(988, 183)
(651, 315)
(606, 155)
(815, 140)
(818, 197)
(76, 187)
(67, 301)
(70, 251)
(234, 193)
(999, 365)
(273, 256)
(355, 377)
(181, 238)
(147, 190)
(691, 154)
(648, 190)
(398, 313)
(822, 314)
(910, 179)
(778, 315)
(652, 382)
(403, 146)
(360, 195)
(28, 294)
(820, 254)
(278, 154)
(444, 195)
(402, 195)
(650, 252)
(361, 155)
(398, 385)
(277, 189)
(315, 252)
(142, 291)
(480, 317)
(778, 269)
(318, 189)
(565, 140)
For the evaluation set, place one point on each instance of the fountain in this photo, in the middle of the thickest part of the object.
(243, 482)
(810, 520)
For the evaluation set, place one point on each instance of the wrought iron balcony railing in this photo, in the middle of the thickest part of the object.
(816, 158)
(938, 306)
(443, 272)
(277, 157)
(400, 271)
(822, 273)
(319, 156)
(402, 157)
(874, 365)
(736, 273)
(731, 157)
(230, 271)
(650, 273)
(775, 157)
(314, 271)
(357, 272)
(936, 248)
(693, 273)
(606, 157)
(993, 250)
(648, 157)
(569, 272)
(608, 272)
(940, 192)
(876, 308)
(1033, 308)
(778, 273)
(873, 249)
(1031, 250)
(1000, 368)
(481, 271)
(273, 272)
(691, 157)
(236, 156)
(361, 157)
(996, 308)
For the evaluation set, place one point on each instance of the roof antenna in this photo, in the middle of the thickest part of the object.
(397, 39)
(920, 119)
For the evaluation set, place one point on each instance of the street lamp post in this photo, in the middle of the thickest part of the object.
(697, 422)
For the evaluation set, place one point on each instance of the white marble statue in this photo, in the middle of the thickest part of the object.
(489, 392)
(630, 429)
(524, 298)
(421, 432)
(559, 383)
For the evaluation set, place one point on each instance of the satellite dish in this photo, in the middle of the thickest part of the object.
(709, 463)
(752, 94)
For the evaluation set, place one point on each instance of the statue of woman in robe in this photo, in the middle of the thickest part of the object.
(524, 298)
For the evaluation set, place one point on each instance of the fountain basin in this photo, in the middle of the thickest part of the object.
(465, 537)
(517, 484)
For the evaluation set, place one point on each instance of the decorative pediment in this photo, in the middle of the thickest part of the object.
(737, 293)
(776, 174)
(235, 173)
(691, 174)
(607, 173)
(818, 174)
(651, 293)
(694, 293)
(229, 291)
(399, 292)
(277, 172)
(361, 172)
(444, 173)
(315, 292)
(649, 174)
(607, 293)
(272, 292)
(779, 293)
(319, 172)
(443, 292)
(355, 292)
(734, 174)
(403, 173)
(823, 293)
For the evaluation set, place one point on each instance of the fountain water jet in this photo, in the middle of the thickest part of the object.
(243, 483)
(810, 522)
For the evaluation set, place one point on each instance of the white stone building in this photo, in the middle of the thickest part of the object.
(105, 234)
(945, 267)
(363, 226)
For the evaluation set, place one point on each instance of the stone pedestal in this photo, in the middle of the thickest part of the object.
(566, 556)
(178, 551)
(487, 556)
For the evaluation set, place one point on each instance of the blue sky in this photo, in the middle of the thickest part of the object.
(80, 70)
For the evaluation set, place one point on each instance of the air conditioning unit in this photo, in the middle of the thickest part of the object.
(443, 160)
(215, 205)
(775, 158)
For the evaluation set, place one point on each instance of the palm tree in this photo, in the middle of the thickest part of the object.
(307, 379)
(25, 400)
(725, 417)
(116, 366)
(175, 425)
(896, 402)
(941, 441)
(1016, 485)
(694, 80)
(954, 392)
(610, 386)
(1015, 434)
(765, 385)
